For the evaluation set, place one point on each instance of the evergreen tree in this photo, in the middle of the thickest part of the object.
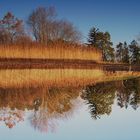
(93, 37)
(135, 52)
(125, 57)
(122, 52)
(119, 52)
(102, 40)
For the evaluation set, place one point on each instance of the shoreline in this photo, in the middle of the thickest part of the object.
(33, 63)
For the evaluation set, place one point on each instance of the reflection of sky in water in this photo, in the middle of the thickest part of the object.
(122, 124)
(72, 118)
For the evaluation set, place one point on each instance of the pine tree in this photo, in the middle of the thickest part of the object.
(135, 52)
(102, 40)
(125, 57)
(119, 52)
(122, 52)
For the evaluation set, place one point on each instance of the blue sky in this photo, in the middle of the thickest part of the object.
(120, 17)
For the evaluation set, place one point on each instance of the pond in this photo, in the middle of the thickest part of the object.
(54, 104)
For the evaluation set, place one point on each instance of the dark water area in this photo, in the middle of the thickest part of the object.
(24, 63)
(69, 104)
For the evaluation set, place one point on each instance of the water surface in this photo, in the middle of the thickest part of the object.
(69, 104)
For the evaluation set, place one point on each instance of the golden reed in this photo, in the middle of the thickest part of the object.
(51, 51)
(58, 77)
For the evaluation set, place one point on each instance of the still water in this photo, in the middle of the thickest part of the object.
(69, 104)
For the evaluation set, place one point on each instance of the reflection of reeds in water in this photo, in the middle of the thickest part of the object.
(50, 104)
(58, 77)
(47, 105)
(33, 98)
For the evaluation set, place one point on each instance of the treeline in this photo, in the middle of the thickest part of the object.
(43, 28)
(122, 52)
(101, 97)
(43, 35)
(128, 53)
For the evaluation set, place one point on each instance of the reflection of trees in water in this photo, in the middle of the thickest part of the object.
(40, 120)
(57, 104)
(46, 104)
(128, 93)
(100, 97)
(11, 117)
(53, 104)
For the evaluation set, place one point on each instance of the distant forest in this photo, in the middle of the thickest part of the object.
(42, 28)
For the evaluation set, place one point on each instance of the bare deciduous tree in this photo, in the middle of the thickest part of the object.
(39, 20)
(45, 27)
(10, 29)
(63, 30)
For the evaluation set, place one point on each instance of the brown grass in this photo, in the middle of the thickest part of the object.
(57, 50)
(58, 77)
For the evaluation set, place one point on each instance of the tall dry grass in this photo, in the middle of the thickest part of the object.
(58, 50)
(58, 77)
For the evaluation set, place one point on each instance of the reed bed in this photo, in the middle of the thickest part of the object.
(51, 51)
(58, 77)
